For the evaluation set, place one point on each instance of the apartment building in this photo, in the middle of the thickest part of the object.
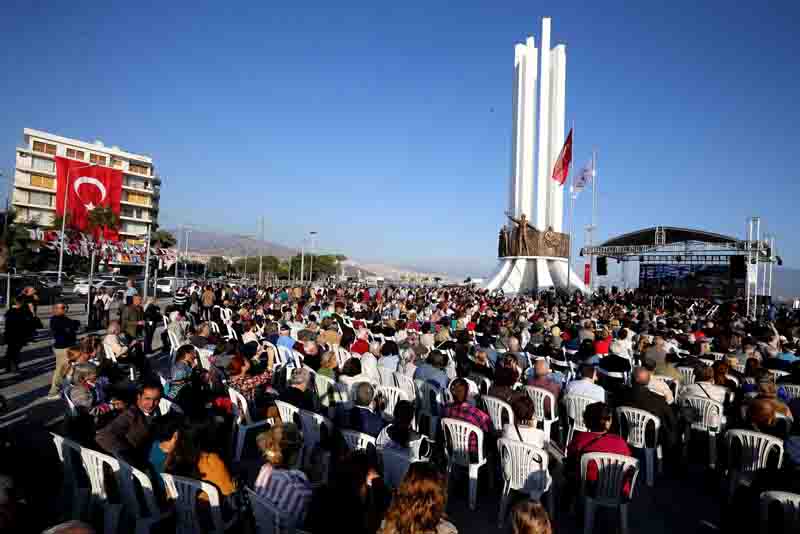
(34, 194)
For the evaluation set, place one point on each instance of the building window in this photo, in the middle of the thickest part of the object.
(116, 163)
(41, 164)
(41, 199)
(135, 198)
(97, 158)
(139, 169)
(75, 154)
(47, 148)
(43, 181)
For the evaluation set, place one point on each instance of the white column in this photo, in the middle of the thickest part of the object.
(542, 171)
(529, 130)
(558, 81)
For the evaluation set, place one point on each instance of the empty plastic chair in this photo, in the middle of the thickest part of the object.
(708, 419)
(543, 398)
(755, 449)
(524, 469)
(499, 411)
(456, 440)
(612, 472)
(790, 512)
(637, 422)
(357, 441)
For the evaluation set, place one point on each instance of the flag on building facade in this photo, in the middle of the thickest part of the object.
(561, 169)
(86, 188)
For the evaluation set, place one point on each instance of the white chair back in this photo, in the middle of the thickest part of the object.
(184, 492)
(707, 413)
(287, 357)
(95, 463)
(687, 375)
(540, 397)
(109, 352)
(342, 355)
(288, 412)
(357, 441)
(637, 422)
(69, 454)
(776, 374)
(166, 406)
(239, 407)
(524, 467)
(496, 408)
(456, 438)
(789, 502)
(352, 383)
(613, 470)
(329, 391)
(144, 513)
(576, 406)
(406, 383)
(387, 376)
(269, 520)
(72, 411)
(792, 390)
(391, 395)
(755, 449)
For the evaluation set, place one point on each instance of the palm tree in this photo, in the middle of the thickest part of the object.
(163, 238)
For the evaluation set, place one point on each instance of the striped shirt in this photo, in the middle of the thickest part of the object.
(467, 412)
(287, 489)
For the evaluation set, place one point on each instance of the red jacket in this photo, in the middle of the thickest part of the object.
(584, 442)
(360, 347)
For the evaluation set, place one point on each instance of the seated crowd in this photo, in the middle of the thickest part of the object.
(389, 365)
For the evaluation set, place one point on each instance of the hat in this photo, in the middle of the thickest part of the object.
(556, 332)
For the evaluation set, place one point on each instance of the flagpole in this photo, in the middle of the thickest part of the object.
(594, 219)
(571, 220)
(64, 218)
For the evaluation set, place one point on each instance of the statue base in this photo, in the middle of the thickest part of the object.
(526, 274)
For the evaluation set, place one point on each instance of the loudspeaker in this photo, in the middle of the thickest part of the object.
(602, 269)
(738, 267)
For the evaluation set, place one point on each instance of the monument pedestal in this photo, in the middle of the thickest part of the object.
(524, 274)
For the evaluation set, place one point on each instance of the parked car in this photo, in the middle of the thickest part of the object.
(83, 289)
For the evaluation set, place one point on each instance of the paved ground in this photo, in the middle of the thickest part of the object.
(677, 503)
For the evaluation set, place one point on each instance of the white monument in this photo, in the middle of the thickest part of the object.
(530, 264)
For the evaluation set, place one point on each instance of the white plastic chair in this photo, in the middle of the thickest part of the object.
(312, 425)
(539, 396)
(242, 422)
(95, 464)
(456, 439)
(289, 412)
(357, 441)
(109, 353)
(524, 469)
(406, 383)
(429, 404)
(145, 514)
(395, 464)
(755, 450)
(790, 502)
(776, 374)
(69, 453)
(287, 357)
(792, 390)
(496, 408)
(392, 395)
(387, 376)
(687, 375)
(708, 419)
(637, 422)
(329, 392)
(184, 492)
(612, 471)
(72, 411)
(342, 355)
(576, 406)
(269, 520)
(166, 406)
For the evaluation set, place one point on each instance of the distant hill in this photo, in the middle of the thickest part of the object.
(221, 244)
(786, 283)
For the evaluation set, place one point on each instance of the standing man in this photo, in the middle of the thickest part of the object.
(19, 330)
(130, 292)
(133, 318)
(208, 298)
(65, 335)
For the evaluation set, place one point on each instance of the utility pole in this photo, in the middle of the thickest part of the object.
(261, 252)
(177, 254)
(186, 261)
(311, 257)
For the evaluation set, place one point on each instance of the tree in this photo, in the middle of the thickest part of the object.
(101, 220)
(16, 243)
(163, 238)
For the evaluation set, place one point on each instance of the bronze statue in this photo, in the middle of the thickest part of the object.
(521, 240)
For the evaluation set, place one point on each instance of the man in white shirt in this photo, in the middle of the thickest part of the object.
(586, 386)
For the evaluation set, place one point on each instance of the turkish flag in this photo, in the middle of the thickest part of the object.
(87, 187)
(561, 169)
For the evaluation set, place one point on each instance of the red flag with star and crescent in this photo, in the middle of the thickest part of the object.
(87, 187)
(561, 169)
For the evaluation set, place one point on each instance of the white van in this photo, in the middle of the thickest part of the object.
(169, 284)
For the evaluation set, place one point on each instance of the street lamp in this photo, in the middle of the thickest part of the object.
(64, 218)
(311, 258)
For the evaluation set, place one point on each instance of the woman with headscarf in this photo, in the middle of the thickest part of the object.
(152, 318)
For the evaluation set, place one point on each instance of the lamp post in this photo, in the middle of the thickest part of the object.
(147, 262)
(64, 218)
(311, 257)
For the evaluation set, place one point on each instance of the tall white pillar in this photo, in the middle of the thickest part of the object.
(542, 172)
(558, 82)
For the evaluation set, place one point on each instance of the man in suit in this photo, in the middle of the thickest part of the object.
(639, 396)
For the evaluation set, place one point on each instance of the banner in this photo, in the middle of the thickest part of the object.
(587, 273)
(86, 187)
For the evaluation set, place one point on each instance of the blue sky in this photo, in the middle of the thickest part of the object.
(386, 127)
